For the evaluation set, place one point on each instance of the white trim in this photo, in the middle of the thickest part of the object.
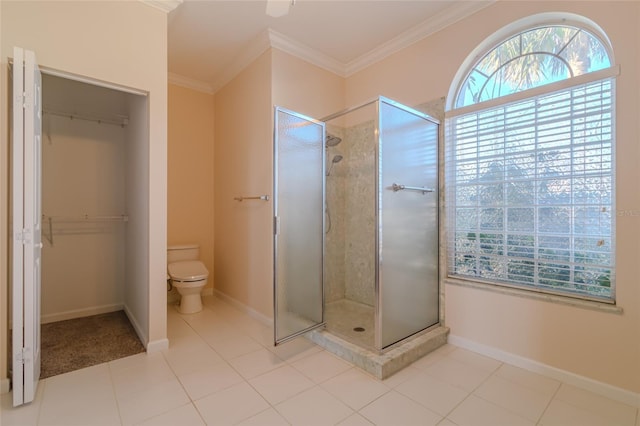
(256, 47)
(270, 38)
(449, 16)
(600, 388)
(5, 385)
(163, 5)
(92, 81)
(306, 53)
(157, 345)
(139, 331)
(190, 83)
(79, 313)
(244, 308)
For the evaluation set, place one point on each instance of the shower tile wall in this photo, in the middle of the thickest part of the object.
(350, 248)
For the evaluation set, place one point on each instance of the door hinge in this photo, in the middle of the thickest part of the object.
(23, 235)
(23, 356)
(276, 225)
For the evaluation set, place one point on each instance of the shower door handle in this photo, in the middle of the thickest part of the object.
(397, 188)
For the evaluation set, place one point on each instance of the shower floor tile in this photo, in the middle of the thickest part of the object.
(352, 321)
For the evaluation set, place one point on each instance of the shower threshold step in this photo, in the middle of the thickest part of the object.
(382, 365)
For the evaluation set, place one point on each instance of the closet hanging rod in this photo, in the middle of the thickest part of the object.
(86, 217)
(120, 121)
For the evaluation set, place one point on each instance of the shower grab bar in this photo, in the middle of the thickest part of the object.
(257, 197)
(397, 188)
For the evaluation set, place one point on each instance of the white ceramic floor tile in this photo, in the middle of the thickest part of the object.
(256, 363)
(355, 420)
(232, 405)
(355, 388)
(454, 372)
(401, 376)
(528, 379)
(269, 417)
(151, 401)
(235, 346)
(280, 384)
(321, 366)
(518, 399)
(187, 415)
(616, 412)
(433, 356)
(139, 374)
(26, 414)
(211, 379)
(446, 422)
(438, 396)
(475, 411)
(314, 407)
(190, 358)
(475, 360)
(560, 413)
(394, 409)
(79, 398)
(295, 350)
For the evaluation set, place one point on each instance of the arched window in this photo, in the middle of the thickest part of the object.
(530, 163)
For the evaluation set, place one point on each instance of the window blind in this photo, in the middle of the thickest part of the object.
(530, 199)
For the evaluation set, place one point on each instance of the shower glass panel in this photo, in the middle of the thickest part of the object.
(381, 249)
(407, 220)
(299, 158)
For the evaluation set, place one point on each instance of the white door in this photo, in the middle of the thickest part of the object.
(27, 243)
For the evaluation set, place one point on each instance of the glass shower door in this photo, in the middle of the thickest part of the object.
(299, 157)
(408, 296)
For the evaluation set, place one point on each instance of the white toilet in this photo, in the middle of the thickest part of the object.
(188, 275)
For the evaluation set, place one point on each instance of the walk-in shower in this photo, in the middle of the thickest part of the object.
(376, 275)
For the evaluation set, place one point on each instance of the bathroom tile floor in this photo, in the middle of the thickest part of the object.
(221, 369)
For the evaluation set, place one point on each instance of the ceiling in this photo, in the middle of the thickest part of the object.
(211, 40)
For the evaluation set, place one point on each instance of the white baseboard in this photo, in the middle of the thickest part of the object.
(79, 313)
(139, 331)
(4, 385)
(600, 388)
(157, 345)
(244, 308)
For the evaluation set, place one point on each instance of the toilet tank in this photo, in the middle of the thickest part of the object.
(183, 252)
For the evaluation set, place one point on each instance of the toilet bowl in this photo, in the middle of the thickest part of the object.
(188, 276)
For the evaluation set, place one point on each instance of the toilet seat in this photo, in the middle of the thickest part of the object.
(188, 271)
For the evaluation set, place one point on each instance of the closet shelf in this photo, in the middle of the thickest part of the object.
(48, 222)
(116, 120)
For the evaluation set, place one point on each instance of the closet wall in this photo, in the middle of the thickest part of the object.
(86, 132)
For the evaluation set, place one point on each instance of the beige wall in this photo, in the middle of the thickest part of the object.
(119, 42)
(190, 172)
(599, 345)
(244, 166)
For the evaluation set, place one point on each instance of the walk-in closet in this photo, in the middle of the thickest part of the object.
(94, 201)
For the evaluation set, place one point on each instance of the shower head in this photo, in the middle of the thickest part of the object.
(331, 140)
(336, 159)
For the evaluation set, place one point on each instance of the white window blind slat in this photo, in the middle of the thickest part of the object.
(530, 192)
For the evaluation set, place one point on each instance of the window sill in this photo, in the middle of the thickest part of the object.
(552, 298)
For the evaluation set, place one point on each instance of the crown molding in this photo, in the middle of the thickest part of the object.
(190, 83)
(250, 53)
(270, 38)
(163, 5)
(306, 53)
(432, 25)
